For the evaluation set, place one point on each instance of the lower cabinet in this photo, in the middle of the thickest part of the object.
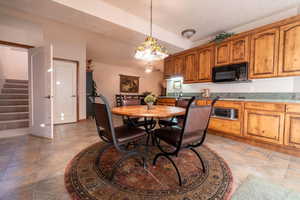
(292, 130)
(263, 125)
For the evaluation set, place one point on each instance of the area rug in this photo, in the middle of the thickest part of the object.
(86, 180)
(260, 189)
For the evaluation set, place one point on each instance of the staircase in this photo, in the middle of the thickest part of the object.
(14, 112)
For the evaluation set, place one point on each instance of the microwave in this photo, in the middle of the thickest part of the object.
(230, 73)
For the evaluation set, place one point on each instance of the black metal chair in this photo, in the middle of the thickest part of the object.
(191, 135)
(174, 121)
(136, 122)
(120, 137)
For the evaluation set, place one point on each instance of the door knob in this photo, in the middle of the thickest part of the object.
(73, 96)
(48, 97)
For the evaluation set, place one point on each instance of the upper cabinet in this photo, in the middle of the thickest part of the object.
(222, 53)
(232, 51)
(205, 64)
(178, 65)
(168, 67)
(239, 50)
(289, 50)
(190, 67)
(264, 54)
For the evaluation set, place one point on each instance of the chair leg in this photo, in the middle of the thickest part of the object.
(101, 152)
(174, 165)
(198, 155)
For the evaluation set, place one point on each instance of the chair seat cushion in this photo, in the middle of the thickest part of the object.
(171, 135)
(127, 134)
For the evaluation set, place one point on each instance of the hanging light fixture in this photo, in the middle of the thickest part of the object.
(150, 50)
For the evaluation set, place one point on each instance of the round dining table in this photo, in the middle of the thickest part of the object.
(157, 111)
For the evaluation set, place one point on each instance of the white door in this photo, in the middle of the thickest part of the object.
(65, 91)
(41, 90)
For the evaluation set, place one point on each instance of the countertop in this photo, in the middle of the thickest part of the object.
(245, 99)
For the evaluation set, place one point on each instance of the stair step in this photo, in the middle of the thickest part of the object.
(13, 102)
(14, 124)
(7, 109)
(14, 91)
(14, 116)
(15, 81)
(10, 85)
(14, 96)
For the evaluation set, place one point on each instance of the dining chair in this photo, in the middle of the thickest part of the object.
(174, 121)
(136, 121)
(119, 137)
(191, 135)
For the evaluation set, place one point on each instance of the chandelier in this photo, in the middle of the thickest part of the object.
(150, 50)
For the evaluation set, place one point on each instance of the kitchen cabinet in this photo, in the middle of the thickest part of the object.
(292, 126)
(264, 54)
(168, 67)
(289, 50)
(262, 124)
(178, 65)
(205, 64)
(239, 50)
(190, 67)
(228, 126)
(222, 54)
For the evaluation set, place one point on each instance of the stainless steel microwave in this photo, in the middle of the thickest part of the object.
(230, 73)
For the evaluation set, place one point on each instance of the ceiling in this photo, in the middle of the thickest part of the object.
(206, 17)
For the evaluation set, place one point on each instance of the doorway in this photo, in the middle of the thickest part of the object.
(65, 74)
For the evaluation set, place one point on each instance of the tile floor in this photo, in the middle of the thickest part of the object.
(33, 168)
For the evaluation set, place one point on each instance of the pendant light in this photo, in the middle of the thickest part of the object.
(150, 50)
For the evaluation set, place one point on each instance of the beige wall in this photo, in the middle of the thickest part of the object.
(108, 80)
(13, 63)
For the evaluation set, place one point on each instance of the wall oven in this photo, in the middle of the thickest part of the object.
(231, 73)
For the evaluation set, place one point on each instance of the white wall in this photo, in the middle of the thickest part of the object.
(13, 63)
(108, 80)
(67, 41)
(288, 84)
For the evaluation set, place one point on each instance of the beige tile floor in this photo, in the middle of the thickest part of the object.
(33, 168)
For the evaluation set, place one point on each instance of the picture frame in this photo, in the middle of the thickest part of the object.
(129, 84)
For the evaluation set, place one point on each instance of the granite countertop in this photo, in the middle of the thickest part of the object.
(247, 99)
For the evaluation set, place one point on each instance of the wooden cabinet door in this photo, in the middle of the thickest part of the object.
(292, 130)
(239, 50)
(222, 54)
(264, 54)
(190, 67)
(205, 64)
(178, 65)
(168, 67)
(289, 50)
(264, 125)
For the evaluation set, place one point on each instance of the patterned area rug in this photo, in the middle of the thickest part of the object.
(86, 180)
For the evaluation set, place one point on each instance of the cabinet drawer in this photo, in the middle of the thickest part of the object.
(265, 106)
(225, 126)
(202, 103)
(167, 100)
(293, 108)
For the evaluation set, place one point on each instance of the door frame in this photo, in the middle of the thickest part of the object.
(77, 81)
(13, 44)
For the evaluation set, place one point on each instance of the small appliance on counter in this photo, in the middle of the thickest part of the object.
(206, 93)
(231, 73)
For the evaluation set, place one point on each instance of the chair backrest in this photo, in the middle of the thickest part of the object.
(103, 119)
(197, 118)
(131, 102)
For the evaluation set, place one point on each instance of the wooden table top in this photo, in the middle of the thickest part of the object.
(157, 111)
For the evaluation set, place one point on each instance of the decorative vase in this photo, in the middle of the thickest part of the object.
(150, 105)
